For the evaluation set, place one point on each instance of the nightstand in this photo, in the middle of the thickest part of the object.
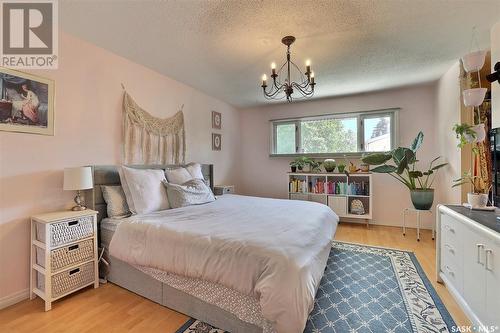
(223, 189)
(63, 254)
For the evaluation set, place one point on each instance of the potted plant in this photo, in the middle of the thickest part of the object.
(404, 170)
(329, 165)
(341, 167)
(299, 163)
(466, 133)
(479, 195)
(314, 166)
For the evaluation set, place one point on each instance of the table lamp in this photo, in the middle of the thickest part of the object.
(77, 179)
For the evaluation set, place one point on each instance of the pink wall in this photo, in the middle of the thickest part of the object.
(266, 176)
(88, 131)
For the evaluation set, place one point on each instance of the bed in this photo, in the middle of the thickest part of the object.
(220, 234)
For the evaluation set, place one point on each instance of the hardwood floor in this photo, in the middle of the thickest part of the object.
(113, 309)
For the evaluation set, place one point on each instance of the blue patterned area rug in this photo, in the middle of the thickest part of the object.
(369, 289)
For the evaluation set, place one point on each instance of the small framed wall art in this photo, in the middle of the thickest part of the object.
(26, 103)
(216, 120)
(216, 141)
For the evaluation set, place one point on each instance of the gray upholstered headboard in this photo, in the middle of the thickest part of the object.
(108, 175)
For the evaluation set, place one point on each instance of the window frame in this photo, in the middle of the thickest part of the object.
(361, 116)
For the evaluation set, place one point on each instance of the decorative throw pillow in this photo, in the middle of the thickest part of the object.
(126, 190)
(115, 201)
(194, 170)
(146, 189)
(193, 192)
(178, 175)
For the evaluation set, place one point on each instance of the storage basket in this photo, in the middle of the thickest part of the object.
(66, 231)
(67, 255)
(69, 280)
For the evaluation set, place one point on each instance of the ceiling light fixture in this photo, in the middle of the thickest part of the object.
(280, 89)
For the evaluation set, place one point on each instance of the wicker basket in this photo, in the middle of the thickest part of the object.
(66, 231)
(67, 256)
(69, 280)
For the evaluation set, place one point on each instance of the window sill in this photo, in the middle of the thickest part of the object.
(356, 155)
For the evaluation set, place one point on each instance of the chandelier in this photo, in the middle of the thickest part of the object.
(283, 85)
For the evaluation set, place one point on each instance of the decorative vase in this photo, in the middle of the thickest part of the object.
(477, 200)
(474, 97)
(422, 199)
(364, 167)
(341, 168)
(330, 165)
(474, 61)
(293, 168)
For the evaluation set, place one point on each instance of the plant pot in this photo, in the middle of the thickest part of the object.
(293, 168)
(299, 168)
(474, 61)
(341, 168)
(477, 200)
(480, 132)
(329, 165)
(422, 199)
(474, 97)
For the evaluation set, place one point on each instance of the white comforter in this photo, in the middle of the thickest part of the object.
(275, 250)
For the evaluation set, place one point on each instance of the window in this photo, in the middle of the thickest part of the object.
(351, 133)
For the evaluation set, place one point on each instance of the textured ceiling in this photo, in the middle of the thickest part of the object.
(224, 47)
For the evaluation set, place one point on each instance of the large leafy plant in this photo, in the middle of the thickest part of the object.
(403, 166)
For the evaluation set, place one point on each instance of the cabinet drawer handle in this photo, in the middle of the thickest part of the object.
(450, 248)
(72, 223)
(487, 264)
(73, 247)
(74, 271)
(449, 270)
(479, 247)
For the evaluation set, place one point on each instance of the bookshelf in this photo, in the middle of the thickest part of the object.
(336, 190)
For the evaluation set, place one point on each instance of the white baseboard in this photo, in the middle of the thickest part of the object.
(14, 298)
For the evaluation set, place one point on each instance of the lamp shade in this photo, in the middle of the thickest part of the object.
(79, 178)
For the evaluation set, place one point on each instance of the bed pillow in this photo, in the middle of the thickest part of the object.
(146, 189)
(192, 192)
(126, 190)
(115, 200)
(178, 175)
(194, 170)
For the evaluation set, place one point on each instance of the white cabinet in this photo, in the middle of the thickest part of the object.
(468, 262)
(475, 273)
(492, 266)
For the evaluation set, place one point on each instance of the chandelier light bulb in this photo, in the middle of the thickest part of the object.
(312, 75)
(273, 65)
(264, 77)
(308, 62)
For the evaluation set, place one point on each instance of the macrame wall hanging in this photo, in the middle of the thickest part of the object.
(151, 140)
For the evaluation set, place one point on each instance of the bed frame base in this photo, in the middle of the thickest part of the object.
(130, 278)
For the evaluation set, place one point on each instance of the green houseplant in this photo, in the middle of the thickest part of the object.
(404, 170)
(479, 195)
(299, 163)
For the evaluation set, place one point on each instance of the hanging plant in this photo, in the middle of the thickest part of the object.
(465, 134)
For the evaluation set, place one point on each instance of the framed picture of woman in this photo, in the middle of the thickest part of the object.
(26, 103)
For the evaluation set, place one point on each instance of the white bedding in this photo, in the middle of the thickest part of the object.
(274, 250)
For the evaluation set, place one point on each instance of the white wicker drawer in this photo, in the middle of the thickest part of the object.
(69, 280)
(68, 255)
(66, 231)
